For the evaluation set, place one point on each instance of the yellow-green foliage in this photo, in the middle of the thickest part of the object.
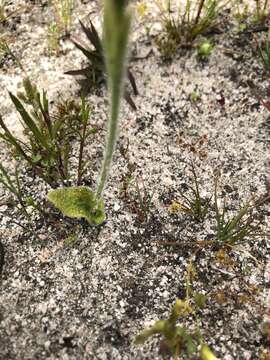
(78, 202)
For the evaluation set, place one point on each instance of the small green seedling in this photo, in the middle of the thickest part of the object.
(177, 339)
(206, 353)
(194, 96)
(205, 49)
(138, 198)
(81, 201)
(71, 240)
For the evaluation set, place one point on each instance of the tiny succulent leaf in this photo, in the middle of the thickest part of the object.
(78, 202)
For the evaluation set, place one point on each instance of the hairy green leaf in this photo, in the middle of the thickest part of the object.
(78, 202)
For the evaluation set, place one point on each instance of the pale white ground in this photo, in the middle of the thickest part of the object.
(89, 300)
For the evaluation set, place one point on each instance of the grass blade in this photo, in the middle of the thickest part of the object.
(30, 124)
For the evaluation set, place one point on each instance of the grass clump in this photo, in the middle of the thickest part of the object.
(230, 229)
(2, 11)
(12, 183)
(235, 229)
(62, 10)
(182, 29)
(261, 12)
(250, 13)
(194, 204)
(60, 26)
(137, 197)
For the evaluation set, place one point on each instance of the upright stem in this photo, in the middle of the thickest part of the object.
(199, 12)
(116, 28)
(111, 139)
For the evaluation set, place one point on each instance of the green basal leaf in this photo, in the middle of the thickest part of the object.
(78, 202)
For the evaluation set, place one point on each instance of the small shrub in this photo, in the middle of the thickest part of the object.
(182, 29)
(49, 135)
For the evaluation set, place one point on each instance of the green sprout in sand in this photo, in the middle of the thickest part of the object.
(80, 201)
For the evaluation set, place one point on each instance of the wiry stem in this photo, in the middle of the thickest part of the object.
(199, 12)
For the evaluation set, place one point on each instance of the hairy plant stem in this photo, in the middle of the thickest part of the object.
(111, 139)
(116, 29)
(83, 136)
